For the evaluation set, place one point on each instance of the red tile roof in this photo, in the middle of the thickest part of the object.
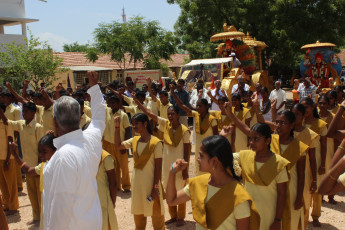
(79, 59)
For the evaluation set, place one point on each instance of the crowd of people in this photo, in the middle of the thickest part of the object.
(257, 165)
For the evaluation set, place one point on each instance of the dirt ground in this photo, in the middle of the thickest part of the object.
(332, 216)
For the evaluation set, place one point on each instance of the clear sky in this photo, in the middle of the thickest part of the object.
(67, 21)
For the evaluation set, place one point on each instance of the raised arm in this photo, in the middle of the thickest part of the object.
(259, 116)
(179, 102)
(173, 196)
(149, 80)
(238, 123)
(213, 99)
(118, 144)
(25, 87)
(144, 109)
(337, 124)
(330, 183)
(12, 147)
(15, 94)
(298, 203)
(98, 108)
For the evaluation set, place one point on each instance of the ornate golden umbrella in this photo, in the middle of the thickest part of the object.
(229, 33)
(318, 44)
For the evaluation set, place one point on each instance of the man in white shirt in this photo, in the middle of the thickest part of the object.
(279, 95)
(70, 198)
(201, 93)
(217, 93)
(240, 87)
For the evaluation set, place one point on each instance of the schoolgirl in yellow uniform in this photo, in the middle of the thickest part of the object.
(176, 139)
(205, 123)
(147, 193)
(313, 121)
(219, 201)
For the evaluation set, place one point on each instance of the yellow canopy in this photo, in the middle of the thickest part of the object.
(229, 33)
(318, 44)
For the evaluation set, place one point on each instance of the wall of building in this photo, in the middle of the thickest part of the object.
(62, 78)
(12, 8)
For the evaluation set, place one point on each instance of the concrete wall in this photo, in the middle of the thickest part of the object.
(9, 38)
(12, 8)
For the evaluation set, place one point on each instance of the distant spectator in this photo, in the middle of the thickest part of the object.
(265, 105)
(309, 90)
(279, 95)
(130, 86)
(184, 97)
(240, 87)
(258, 88)
(145, 89)
(236, 62)
(201, 94)
(217, 93)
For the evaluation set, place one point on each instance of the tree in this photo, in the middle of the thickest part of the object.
(34, 61)
(75, 47)
(283, 25)
(133, 41)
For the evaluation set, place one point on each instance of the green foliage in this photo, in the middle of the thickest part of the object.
(283, 25)
(34, 61)
(75, 47)
(133, 41)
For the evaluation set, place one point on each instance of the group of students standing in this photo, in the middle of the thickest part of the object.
(251, 173)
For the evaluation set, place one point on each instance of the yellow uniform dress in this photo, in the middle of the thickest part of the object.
(39, 171)
(330, 142)
(109, 220)
(142, 180)
(319, 127)
(39, 114)
(218, 208)
(163, 109)
(241, 142)
(222, 120)
(48, 119)
(209, 122)
(241, 211)
(310, 138)
(13, 113)
(264, 196)
(87, 110)
(30, 136)
(174, 141)
(121, 157)
(8, 178)
(292, 152)
(342, 178)
(84, 120)
(171, 154)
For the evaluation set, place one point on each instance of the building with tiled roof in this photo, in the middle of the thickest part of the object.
(107, 69)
